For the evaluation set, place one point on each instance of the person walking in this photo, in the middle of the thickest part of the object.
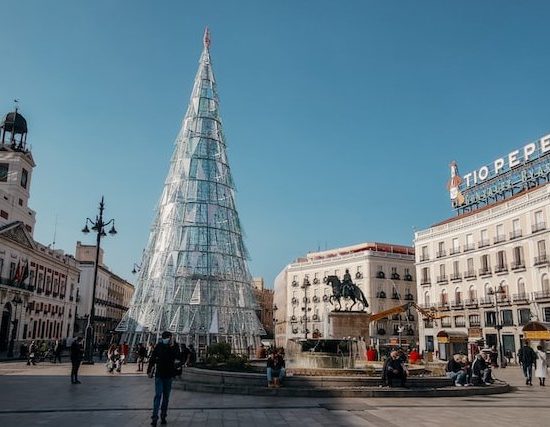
(76, 359)
(32, 354)
(141, 355)
(527, 358)
(58, 349)
(541, 370)
(162, 367)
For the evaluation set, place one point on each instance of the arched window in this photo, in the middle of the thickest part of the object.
(427, 299)
(458, 296)
(521, 287)
(545, 283)
(504, 286)
(444, 297)
(472, 292)
(487, 289)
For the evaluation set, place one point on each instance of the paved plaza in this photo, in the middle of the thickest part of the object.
(42, 395)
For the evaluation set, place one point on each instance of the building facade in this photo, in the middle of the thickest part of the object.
(384, 272)
(112, 297)
(486, 271)
(264, 297)
(37, 283)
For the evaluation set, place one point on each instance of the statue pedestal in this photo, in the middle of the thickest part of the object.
(348, 324)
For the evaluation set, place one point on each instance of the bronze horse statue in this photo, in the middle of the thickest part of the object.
(344, 290)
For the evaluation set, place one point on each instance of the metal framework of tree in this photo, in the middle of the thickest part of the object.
(194, 279)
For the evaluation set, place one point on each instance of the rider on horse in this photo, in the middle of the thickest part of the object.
(347, 285)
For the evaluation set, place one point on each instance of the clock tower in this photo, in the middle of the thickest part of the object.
(16, 165)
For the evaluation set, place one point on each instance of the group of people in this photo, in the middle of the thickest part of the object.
(537, 358)
(464, 372)
(37, 351)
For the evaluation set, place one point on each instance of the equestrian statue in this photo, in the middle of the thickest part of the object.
(346, 290)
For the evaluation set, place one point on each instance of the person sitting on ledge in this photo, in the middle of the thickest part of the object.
(275, 368)
(481, 373)
(395, 368)
(455, 370)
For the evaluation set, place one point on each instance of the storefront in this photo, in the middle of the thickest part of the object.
(451, 342)
(537, 331)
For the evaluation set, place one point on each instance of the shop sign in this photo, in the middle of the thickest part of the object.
(475, 333)
(536, 335)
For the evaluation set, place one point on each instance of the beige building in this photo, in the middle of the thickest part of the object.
(264, 297)
(112, 298)
(37, 283)
(384, 272)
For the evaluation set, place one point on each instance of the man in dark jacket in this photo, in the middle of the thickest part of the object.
(76, 359)
(527, 358)
(395, 368)
(162, 366)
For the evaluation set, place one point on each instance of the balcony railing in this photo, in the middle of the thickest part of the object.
(541, 259)
(539, 226)
(424, 257)
(500, 238)
(485, 271)
(483, 243)
(518, 265)
(442, 279)
(461, 324)
(425, 281)
(456, 276)
(470, 302)
(515, 234)
(501, 268)
(523, 297)
(475, 324)
(469, 247)
(455, 250)
(457, 304)
(486, 300)
(441, 254)
(541, 295)
(470, 273)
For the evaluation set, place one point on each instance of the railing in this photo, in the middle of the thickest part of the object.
(541, 259)
(425, 281)
(470, 302)
(541, 295)
(485, 271)
(539, 226)
(475, 324)
(409, 297)
(424, 257)
(520, 297)
(442, 279)
(455, 250)
(501, 268)
(516, 265)
(470, 273)
(486, 300)
(500, 238)
(456, 276)
(441, 254)
(483, 243)
(460, 324)
(469, 247)
(515, 234)
(456, 304)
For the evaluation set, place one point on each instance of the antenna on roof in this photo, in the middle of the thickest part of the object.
(54, 232)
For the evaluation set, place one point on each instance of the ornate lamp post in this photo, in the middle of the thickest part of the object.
(98, 226)
(15, 322)
(496, 292)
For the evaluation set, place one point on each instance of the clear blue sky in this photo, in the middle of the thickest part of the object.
(341, 117)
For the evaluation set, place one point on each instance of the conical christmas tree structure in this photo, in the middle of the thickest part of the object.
(194, 279)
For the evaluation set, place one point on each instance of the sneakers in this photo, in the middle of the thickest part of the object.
(458, 384)
(488, 383)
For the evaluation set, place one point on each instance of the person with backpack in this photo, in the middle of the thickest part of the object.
(162, 365)
(527, 358)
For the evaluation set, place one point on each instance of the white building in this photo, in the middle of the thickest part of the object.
(498, 242)
(384, 272)
(37, 283)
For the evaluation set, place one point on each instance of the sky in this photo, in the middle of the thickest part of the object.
(341, 118)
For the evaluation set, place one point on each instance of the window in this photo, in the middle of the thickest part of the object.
(4, 214)
(521, 287)
(490, 318)
(4, 169)
(470, 266)
(485, 265)
(518, 256)
(460, 321)
(12, 270)
(424, 256)
(501, 260)
(469, 242)
(458, 296)
(541, 247)
(547, 314)
(507, 318)
(425, 275)
(456, 246)
(524, 316)
(24, 177)
(515, 225)
(473, 319)
(444, 298)
(426, 299)
(500, 230)
(472, 293)
(484, 239)
(545, 283)
(456, 267)
(446, 322)
(539, 217)
(442, 271)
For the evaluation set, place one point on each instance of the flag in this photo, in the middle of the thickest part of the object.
(17, 272)
(25, 273)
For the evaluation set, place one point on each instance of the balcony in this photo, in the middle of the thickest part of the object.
(395, 276)
(499, 239)
(542, 295)
(475, 324)
(409, 297)
(486, 301)
(443, 305)
(441, 254)
(503, 268)
(469, 247)
(483, 243)
(539, 226)
(469, 274)
(541, 260)
(515, 234)
(456, 276)
(455, 250)
(470, 302)
(442, 279)
(424, 257)
(520, 298)
(457, 304)
(425, 281)
(408, 278)
(518, 265)
(486, 271)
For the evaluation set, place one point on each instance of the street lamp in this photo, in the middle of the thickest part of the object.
(15, 322)
(500, 290)
(98, 226)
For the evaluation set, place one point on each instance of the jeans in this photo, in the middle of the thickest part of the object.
(163, 386)
(74, 370)
(527, 371)
(280, 373)
(458, 377)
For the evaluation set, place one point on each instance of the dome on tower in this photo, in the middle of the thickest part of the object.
(14, 123)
